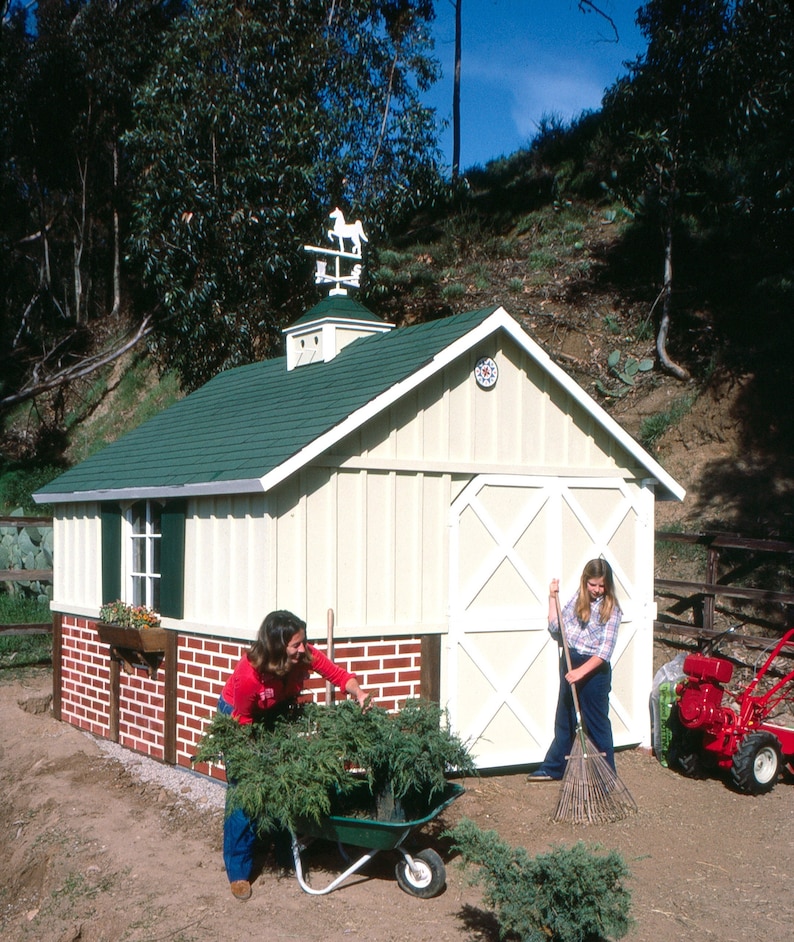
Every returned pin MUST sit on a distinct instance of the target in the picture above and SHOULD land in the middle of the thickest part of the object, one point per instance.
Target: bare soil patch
(94, 854)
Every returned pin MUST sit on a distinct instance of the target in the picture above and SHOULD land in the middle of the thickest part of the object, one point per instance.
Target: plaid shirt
(593, 637)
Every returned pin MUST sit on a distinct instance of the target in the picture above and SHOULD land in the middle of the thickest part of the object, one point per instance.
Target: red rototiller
(709, 735)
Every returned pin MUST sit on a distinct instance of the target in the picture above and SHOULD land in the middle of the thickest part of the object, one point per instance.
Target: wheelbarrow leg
(297, 847)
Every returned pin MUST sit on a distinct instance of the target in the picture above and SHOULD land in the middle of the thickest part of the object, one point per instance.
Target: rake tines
(591, 792)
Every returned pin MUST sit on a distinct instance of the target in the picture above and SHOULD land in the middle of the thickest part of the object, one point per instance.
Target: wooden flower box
(134, 647)
(133, 639)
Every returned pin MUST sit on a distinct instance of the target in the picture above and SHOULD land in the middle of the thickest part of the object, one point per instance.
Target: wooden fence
(701, 596)
(25, 575)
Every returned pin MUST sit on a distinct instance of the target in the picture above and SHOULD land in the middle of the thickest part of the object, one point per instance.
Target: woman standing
(591, 620)
(267, 679)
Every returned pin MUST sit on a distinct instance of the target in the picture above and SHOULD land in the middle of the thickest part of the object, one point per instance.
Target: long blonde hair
(596, 569)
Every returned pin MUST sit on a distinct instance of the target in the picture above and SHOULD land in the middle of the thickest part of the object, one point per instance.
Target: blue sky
(522, 59)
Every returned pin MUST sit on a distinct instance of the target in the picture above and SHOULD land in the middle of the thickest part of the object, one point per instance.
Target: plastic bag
(663, 698)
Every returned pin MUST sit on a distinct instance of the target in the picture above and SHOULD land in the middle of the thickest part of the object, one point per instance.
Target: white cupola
(329, 327)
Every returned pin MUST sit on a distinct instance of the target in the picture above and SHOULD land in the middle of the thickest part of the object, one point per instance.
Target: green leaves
(626, 374)
(565, 895)
(257, 121)
(292, 769)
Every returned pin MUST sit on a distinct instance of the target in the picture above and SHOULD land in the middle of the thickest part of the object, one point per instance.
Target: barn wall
(526, 423)
(389, 669)
(371, 545)
(77, 562)
(226, 553)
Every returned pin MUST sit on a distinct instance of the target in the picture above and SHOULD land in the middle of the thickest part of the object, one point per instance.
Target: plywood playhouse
(423, 483)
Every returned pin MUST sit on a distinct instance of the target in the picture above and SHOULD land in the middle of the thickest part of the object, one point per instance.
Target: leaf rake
(591, 792)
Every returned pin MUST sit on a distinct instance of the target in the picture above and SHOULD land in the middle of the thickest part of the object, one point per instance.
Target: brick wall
(389, 669)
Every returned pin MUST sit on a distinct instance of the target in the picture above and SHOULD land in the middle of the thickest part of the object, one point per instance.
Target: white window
(143, 549)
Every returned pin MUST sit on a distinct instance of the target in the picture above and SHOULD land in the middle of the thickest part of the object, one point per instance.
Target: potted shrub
(338, 760)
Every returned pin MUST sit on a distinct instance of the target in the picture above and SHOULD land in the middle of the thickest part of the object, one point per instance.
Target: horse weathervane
(342, 232)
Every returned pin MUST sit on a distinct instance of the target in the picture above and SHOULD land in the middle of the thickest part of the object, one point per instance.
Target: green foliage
(19, 482)
(18, 610)
(257, 121)
(453, 292)
(27, 547)
(653, 427)
(567, 895)
(67, 71)
(24, 650)
(128, 616)
(299, 768)
(626, 374)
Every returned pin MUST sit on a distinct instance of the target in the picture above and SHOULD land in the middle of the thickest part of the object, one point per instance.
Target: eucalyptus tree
(260, 119)
(761, 70)
(68, 71)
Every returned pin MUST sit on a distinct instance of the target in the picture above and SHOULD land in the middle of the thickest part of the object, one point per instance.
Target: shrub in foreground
(567, 895)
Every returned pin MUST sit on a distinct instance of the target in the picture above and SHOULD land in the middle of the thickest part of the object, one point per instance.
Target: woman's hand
(554, 594)
(354, 689)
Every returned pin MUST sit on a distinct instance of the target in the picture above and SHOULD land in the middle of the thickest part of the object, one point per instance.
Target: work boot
(241, 889)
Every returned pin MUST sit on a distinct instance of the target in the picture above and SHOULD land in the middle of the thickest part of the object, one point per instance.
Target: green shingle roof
(339, 306)
(248, 421)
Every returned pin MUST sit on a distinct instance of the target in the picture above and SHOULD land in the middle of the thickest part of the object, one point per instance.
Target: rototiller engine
(709, 734)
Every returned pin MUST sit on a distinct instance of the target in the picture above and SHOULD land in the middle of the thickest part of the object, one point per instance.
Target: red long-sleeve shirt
(250, 693)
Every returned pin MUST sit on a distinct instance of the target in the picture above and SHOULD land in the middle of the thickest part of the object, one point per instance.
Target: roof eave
(205, 489)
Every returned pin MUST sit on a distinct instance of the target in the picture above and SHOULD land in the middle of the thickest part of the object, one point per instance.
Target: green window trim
(172, 560)
(172, 556)
(110, 515)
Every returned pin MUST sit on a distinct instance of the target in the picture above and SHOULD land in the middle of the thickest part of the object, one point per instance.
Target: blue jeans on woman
(239, 836)
(593, 693)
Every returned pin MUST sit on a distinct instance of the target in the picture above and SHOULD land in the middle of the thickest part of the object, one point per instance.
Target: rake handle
(566, 649)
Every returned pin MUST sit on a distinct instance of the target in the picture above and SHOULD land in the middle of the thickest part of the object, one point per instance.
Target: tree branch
(586, 5)
(87, 365)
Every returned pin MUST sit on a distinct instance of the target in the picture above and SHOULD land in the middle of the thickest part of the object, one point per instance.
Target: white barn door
(509, 535)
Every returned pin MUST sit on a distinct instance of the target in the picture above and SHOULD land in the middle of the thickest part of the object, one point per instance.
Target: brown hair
(268, 653)
(596, 569)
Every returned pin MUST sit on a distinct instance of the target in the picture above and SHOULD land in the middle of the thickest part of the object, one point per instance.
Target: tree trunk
(116, 234)
(667, 300)
(456, 95)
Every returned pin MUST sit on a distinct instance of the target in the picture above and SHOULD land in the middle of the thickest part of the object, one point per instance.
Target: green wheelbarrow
(422, 874)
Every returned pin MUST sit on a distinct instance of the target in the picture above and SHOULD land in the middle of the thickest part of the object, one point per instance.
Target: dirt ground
(92, 854)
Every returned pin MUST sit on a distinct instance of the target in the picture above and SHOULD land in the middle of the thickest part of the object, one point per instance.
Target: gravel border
(184, 783)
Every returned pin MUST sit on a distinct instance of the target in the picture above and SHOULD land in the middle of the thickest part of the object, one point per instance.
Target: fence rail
(26, 575)
(701, 595)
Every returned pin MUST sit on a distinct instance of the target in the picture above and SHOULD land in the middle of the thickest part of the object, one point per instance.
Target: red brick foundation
(389, 669)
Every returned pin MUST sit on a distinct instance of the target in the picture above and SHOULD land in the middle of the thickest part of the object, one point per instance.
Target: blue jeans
(593, 694)
(239, 837)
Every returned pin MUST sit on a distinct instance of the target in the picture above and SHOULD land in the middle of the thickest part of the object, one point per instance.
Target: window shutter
(172, 560)
(110, 515)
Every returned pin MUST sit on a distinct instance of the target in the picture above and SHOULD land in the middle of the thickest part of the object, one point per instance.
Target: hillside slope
(565, 274)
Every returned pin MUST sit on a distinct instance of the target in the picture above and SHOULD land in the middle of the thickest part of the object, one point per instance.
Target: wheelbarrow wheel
(427, 879)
